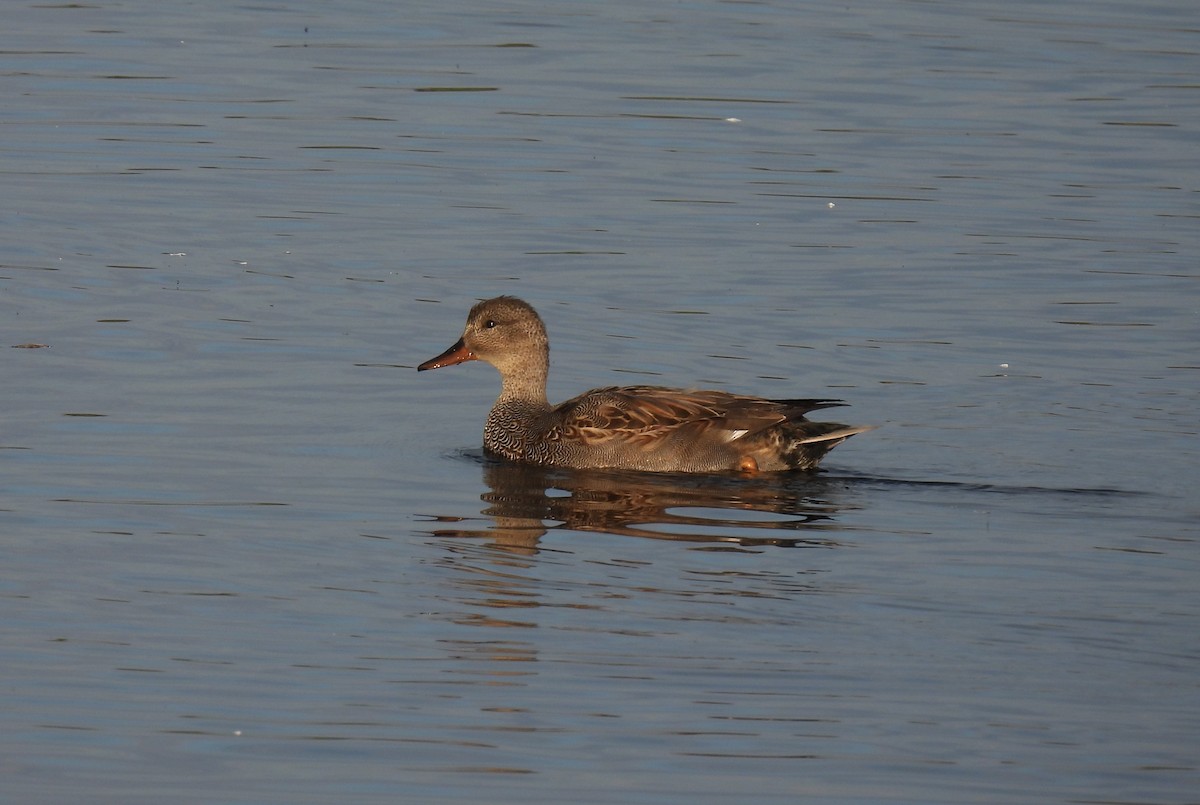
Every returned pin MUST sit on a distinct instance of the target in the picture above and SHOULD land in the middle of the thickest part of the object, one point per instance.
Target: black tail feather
(796, 408)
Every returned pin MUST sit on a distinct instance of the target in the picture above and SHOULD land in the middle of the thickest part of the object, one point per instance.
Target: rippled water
(252, 556)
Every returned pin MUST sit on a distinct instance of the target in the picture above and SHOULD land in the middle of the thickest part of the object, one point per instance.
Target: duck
(640, 428)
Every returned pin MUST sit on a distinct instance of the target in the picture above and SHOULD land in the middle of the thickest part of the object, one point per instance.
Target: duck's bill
(456, 354)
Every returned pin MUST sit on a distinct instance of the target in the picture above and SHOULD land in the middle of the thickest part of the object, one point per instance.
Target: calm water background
(250, 556)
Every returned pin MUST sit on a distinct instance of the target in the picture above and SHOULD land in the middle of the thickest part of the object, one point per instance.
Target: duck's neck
(525, 386)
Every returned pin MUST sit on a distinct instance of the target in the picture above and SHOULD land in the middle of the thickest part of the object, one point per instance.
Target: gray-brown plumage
(633, 427)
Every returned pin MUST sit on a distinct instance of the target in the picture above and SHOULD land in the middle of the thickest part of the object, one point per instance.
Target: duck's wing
(736, 405)
(647, 415)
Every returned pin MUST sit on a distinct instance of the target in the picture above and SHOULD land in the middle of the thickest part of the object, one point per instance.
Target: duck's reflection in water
(786, 509)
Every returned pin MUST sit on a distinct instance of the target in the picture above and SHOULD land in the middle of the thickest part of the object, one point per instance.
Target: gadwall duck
(648, 428)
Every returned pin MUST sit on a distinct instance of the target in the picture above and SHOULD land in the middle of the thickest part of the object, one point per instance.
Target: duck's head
(505, 332)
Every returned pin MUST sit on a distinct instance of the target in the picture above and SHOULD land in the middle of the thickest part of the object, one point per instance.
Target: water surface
(252, 556)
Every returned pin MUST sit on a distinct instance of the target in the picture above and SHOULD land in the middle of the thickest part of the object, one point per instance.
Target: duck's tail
(809, 441)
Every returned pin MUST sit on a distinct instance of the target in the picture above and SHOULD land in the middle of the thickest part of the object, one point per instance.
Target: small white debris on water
(733, 120)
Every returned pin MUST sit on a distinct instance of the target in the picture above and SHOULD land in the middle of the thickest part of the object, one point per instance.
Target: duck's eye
(489, 324)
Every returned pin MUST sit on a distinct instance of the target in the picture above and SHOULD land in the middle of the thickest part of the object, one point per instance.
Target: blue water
(251, 556)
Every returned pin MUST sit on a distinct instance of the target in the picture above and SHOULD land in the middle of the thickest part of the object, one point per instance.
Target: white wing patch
(734, 435)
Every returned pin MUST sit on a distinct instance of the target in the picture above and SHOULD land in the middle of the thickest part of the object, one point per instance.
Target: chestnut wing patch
(648, 415)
